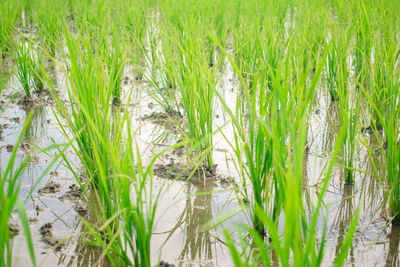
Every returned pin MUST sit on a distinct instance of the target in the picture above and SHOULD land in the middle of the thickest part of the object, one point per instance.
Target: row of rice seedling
(119, 185)
(387, 115)
(278, 54)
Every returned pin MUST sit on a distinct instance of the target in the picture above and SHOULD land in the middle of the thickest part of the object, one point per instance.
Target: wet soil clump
(184, 173)
(48, 237)
(171, 120)
(14, 229)
(50, 188)
(166, 264)
(73, 194)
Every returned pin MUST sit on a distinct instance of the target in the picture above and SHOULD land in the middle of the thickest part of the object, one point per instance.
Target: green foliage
(23, 65)
(9, 189)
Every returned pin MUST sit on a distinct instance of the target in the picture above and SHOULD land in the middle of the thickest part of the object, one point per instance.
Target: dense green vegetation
(281, 53)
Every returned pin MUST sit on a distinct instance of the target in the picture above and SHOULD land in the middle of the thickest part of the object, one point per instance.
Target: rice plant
(350, 119)
(3, 77)
(196, 83)
(193, 54)
(337, 70)
(115, 62)
(23, 60)
(91, 96)
(387, 113)
(296, 241)
(9, 15)
(36, 70)
(261, 148)
(49, 24)
(10, 182)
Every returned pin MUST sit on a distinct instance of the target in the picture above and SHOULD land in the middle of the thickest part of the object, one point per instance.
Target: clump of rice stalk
(337, 72)
(364, 36)
(23, 60)
(350, 118)
(90, 94)
(91, 121)
(37, 74)
(9, 13)
(115, 62)
(196, 83)
(349, 105)
(134, 18)
(48, 22)
(261, 134)
(161, 78)
(388, 115)
(377, 89)
(122, 187)
(295, 241)
(127, 234)
(247, 47)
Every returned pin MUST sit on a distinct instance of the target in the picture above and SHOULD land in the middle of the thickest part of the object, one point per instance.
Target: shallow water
(185, 208)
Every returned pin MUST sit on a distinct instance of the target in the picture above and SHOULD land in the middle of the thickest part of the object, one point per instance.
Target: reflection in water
(198, 243)
(197, 212)
(343, 219)
(393, 258)
(85, 254)
(51, 71)
(331, 127)
(35, 127)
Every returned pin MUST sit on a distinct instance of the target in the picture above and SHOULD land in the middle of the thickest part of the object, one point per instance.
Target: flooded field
(210, 133)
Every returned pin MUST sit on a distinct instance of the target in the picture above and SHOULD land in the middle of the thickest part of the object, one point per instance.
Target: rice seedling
(349, 105)
(337, 70)
(135, 21)
(261, 148)
(364, 36)
(350, 119)
(92, 96)
(388, 116)
(48, 23)
(115, 61)
(23, 60)
(10, 179)
(163, 88)
(276, 52)
(295, 243)
(36, 69)
(125, 206)
(8, 19)
(136, 202)
(196, 82)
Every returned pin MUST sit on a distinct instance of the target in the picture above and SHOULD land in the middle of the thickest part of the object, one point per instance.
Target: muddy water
(186, 208)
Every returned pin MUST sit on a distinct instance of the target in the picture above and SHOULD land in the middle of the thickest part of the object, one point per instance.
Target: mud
(48, 237)
(165, 264)
(73, 194)
(50, 188)
(172, 120)
(15, 229)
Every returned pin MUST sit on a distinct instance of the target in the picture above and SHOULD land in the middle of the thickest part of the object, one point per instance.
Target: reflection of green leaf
(348, 240)
(25, 225)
